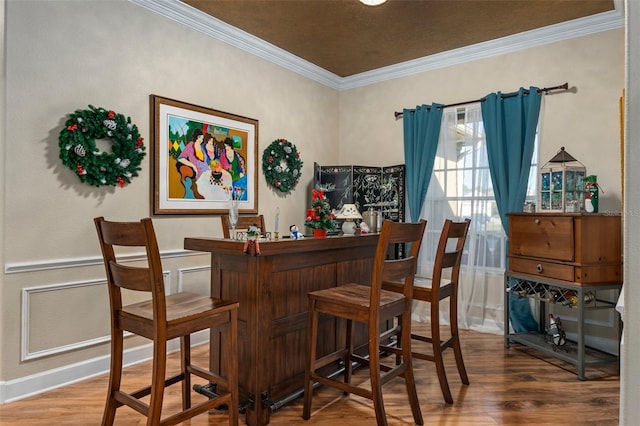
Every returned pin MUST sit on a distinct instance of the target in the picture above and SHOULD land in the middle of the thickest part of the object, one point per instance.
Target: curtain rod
(545, 90)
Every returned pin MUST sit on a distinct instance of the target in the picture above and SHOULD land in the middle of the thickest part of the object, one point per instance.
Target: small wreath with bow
(78, 150)
(282, 165)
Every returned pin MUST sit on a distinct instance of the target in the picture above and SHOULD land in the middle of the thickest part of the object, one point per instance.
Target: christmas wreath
(78, 150)
(281, 165)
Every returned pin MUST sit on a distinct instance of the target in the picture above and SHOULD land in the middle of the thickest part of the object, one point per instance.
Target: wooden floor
(514, 386)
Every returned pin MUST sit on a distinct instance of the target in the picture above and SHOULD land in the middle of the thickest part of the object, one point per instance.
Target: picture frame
(202, 159)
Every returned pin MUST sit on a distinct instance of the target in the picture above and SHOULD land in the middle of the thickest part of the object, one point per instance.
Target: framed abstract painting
(202, 159)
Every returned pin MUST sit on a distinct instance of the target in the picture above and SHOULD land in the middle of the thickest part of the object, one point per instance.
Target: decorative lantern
(562, 184)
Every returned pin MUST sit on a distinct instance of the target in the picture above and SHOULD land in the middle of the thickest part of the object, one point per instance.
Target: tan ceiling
(346, 38)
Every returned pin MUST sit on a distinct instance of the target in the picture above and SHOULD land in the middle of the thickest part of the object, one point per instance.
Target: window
(460, 187)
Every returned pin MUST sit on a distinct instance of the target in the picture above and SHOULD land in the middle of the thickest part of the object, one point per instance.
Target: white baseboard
(23, 387)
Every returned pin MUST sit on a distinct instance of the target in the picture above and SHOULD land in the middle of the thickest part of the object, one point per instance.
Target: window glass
(461, 187)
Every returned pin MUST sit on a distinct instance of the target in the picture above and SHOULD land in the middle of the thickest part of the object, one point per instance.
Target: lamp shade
(349, 212)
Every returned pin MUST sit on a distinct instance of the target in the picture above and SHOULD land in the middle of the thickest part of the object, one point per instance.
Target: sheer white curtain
(460, 187)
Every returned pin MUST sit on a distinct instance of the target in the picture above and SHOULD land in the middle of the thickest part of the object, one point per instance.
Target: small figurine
(252, 239)
(364, 228)
(295, 234)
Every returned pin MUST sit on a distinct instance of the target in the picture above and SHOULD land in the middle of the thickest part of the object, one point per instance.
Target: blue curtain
(510, 122)
(421, 133)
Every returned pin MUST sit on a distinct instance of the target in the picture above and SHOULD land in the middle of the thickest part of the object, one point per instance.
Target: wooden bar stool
(244, 222)
(448, 257)
(161, 319)
(369, 304)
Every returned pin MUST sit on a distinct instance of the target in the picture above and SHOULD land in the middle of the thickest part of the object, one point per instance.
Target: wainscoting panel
(195, 280)
(58, 318)
(62, 317)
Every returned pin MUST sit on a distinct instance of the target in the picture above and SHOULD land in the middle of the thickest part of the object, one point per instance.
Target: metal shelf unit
(582, 298)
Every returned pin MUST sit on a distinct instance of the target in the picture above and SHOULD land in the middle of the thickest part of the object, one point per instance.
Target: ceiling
(346, 37)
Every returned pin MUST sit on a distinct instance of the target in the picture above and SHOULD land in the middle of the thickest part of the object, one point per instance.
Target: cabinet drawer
(543, 269)
(549, 237)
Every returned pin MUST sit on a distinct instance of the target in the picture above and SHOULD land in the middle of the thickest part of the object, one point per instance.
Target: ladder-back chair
(434, 290)
(369, 304)
(244, 222)
(160, 319)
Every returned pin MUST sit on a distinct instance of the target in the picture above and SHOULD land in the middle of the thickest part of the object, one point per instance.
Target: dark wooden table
(272, 290)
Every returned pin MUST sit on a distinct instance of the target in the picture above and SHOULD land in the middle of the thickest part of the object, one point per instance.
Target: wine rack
(578, 297)
(557, 294)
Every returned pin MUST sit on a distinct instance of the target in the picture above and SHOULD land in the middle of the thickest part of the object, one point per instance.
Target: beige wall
(585, 123)
(630, 367)
(64, 55)
(2, 161)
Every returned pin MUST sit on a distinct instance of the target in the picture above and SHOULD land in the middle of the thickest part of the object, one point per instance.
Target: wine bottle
(589, 297)
(570, 298)
(557, 336)
(553, 296)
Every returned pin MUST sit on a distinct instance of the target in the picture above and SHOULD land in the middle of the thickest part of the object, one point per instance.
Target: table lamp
(349, 213)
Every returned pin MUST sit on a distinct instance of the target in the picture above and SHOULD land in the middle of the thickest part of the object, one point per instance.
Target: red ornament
(111, 115)
(121, 182)
(72, 127)
(270, 159)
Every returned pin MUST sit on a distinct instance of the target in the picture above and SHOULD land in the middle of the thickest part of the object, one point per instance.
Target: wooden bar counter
(272, 290)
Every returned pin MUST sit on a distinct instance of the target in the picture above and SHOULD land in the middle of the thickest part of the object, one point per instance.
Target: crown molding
(215, 28)
(571, 29)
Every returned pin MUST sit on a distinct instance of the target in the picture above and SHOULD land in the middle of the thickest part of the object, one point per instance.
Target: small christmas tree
(320, 216)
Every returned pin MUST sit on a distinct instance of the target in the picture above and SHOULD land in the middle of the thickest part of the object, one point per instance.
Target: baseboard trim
(24, 387)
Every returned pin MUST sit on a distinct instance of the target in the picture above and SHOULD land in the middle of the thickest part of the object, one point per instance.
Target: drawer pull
(539, 268)
(537, 221)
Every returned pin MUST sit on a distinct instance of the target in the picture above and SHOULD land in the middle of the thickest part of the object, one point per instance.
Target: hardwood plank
(515, 386)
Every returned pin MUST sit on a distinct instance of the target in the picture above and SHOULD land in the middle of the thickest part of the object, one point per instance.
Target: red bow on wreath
(317, 195)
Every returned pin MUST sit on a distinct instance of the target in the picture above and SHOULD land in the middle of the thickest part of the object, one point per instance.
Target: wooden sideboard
(570, 263)
(574, 247)
(272, 290)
